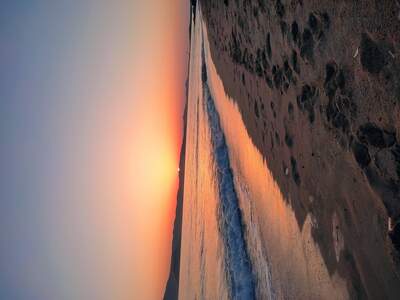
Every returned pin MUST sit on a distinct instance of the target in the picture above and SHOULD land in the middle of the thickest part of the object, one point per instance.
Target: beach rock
(361, 154)
(372, 135)
(372, 58)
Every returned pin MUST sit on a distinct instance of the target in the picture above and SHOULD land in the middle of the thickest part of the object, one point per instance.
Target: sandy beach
(317, 84)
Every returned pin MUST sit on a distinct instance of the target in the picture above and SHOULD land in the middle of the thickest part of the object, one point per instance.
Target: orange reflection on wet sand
(201, 266)
(280, 251)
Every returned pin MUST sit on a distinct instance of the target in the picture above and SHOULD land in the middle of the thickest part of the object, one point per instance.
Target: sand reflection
(202, 273)
(286, 260)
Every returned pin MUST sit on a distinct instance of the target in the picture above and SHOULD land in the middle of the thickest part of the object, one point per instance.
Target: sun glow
(153, 160)
(157, 168)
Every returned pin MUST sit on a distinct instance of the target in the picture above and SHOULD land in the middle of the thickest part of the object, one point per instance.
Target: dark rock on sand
(295, 31)
(313, 22)
(307, 45)
(269, 48)
(306, 101)
(372, 135)
(361, 154)
(280, 9)
(372, 58)
(295, 173)
(288, 140)
(295, 64)
(330, 82)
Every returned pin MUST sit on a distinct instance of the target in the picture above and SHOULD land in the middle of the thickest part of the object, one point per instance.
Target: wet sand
(202, 273)
(279, 248)
(317, 84)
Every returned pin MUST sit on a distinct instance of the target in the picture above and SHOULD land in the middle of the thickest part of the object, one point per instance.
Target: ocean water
(240, 239)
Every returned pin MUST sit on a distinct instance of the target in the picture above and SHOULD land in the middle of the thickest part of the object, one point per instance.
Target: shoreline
(324, 120)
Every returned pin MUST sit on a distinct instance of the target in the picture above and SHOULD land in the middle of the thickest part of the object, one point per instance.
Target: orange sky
(91, 112)
(157, 144)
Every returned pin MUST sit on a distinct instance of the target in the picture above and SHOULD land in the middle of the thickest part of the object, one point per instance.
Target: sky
(91, 101)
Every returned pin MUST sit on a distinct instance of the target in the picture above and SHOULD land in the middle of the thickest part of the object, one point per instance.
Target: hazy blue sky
(90, 103)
